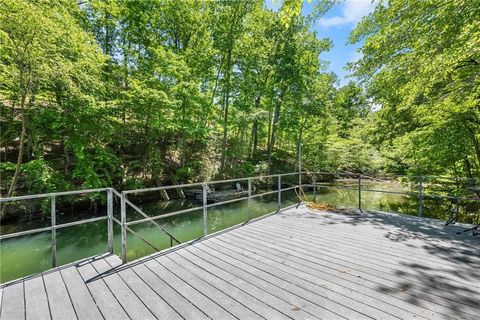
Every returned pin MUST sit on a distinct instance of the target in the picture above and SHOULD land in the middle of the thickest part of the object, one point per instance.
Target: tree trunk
(475, 143)
(182, 137)
(468, 167)
(299, 140)
(254, 138)
(13, 184)
(225, 114)
(276, 119)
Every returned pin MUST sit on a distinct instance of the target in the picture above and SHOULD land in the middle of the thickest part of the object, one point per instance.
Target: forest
(130, 94)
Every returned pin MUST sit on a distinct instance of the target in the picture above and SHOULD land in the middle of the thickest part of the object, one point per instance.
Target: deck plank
(134, 307)
(183, 306)
(104, 299)
(262, 302)
(318, 282)
(13, 302)
(58, 298)
(399, 237)
(296, 264)
(304, 260)
(209, 307)
(1, 299)
(400, 240)
(365, 261)
(152, 300)
(237, 309)
(291, 300)
(82, 300)
(36, 301)
(313, 296)
(347, 277)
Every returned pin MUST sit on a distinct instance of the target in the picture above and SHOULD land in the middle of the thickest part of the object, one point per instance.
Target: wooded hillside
(134, 93)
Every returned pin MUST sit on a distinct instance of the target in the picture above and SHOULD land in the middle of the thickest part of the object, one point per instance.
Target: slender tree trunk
(253, 150)
(468, 167)
(13, 183)
(225, 114)
(276, 119)
(299, 140)
(11, 189)
(475, 143)
(269, 130)
(182, 138)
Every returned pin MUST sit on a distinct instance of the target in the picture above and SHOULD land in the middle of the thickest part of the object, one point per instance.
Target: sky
(337, 25)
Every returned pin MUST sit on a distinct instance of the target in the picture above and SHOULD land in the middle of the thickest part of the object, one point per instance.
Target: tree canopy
(421, 63)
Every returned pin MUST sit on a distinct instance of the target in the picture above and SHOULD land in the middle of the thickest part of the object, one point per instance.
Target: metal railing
(53, 217)
(420, 194)
(125, 203)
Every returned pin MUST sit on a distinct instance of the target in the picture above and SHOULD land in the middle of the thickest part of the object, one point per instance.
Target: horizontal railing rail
(204, 207)
(125, 203)
(53, 217)
(420, 194)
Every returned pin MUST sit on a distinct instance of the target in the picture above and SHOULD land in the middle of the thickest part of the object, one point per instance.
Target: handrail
(205, 206)
(124, 202)
(426, 177)
(198, 184)
(52, 194)
(58, 226)
(53, 217)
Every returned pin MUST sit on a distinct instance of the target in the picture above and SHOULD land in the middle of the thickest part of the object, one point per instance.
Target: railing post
(249, 198)
(360, 193)
(420, 196)
(54, 231)
(205, 212)
(110, 219)
(314, 187)
(279, 192)
(123, 218)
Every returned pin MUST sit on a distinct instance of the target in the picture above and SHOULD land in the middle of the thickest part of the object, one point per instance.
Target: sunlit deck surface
(295, 264)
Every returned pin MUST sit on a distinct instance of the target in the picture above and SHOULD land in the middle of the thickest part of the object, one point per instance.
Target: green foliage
(130, 93)
(421, 62)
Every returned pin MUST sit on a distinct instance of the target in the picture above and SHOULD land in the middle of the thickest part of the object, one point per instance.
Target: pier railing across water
(125, 203)
(53, 217)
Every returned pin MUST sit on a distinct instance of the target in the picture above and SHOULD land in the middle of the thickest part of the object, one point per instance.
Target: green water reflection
(30, 254)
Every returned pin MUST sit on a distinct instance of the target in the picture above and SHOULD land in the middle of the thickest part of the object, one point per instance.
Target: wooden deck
(292, 265)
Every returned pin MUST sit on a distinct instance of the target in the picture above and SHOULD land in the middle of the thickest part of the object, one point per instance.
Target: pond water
(30, 254)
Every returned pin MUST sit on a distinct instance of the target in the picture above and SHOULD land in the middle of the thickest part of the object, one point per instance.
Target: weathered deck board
(152, 300)
(228, 303)
(81, 297)
(293, 265)
(61, 306)
(183, 306)
(101, 294)
(287, 298)
(263, 302)
(367, 280)
(338, 279)
(366, 262)
(135, 308)
(321, 295)
(36, 300)
(195, 296)
(232, 291)
(13, 302)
